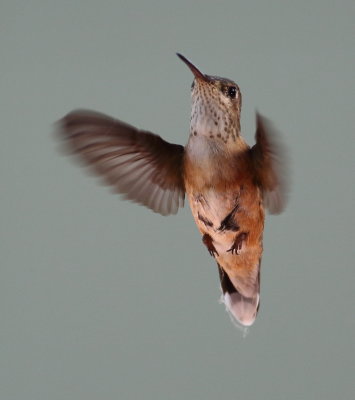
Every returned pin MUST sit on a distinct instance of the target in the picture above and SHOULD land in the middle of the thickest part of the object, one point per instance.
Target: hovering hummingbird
(228, 184)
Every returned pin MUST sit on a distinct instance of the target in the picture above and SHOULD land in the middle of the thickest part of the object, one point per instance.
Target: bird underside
(231, 224)
(227, 182)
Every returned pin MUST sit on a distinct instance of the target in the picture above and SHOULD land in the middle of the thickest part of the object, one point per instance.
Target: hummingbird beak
(197, 73)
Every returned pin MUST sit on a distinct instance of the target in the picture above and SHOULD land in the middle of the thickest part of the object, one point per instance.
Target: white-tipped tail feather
(242, 309)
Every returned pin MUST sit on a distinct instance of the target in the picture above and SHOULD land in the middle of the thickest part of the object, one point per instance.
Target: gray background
(103, 299)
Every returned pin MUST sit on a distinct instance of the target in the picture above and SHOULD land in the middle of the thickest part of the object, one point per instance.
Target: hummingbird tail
(243, 309)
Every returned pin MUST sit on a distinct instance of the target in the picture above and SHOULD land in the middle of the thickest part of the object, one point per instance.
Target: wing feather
(138, 164)
(270, 163)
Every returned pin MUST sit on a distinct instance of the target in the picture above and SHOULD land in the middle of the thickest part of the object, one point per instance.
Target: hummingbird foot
(238, 242)
(208, 242)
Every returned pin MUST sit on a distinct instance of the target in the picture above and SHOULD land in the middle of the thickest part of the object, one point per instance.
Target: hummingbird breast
(227, 206)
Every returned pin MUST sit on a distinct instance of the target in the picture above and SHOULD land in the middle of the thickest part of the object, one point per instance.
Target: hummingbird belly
(232, 223)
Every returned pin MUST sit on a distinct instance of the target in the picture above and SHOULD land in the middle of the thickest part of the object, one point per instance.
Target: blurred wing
(269, 160)
(140, 165)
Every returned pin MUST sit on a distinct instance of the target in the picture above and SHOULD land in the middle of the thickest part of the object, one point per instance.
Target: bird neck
(214, 121)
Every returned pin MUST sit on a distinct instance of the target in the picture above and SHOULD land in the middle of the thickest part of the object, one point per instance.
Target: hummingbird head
(216, 106)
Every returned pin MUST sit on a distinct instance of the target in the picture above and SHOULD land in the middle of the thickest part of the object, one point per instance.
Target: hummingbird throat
(211, 118)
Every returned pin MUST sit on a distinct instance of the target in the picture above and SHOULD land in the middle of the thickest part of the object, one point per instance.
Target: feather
(140, 165)
(269, 160)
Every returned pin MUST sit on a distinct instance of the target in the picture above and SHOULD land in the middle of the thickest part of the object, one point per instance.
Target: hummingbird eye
(232, 92)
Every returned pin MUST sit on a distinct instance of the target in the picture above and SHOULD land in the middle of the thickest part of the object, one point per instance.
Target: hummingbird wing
(269, 160)
(140, 165)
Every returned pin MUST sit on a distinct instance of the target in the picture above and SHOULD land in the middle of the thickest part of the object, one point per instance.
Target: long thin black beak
(197, 73)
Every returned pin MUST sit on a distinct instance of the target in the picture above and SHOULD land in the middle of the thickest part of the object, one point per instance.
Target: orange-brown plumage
(228, 184)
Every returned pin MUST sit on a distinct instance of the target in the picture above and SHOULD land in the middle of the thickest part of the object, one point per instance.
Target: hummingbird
(228, 183)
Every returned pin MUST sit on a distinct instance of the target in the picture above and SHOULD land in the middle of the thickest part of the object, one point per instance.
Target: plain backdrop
(103, 299)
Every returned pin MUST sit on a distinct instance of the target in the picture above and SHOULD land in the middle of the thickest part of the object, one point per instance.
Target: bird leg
(230, 223)
(238, 242)
(208, 242)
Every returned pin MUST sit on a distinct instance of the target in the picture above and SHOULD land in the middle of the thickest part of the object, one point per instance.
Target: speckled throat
(212, 115)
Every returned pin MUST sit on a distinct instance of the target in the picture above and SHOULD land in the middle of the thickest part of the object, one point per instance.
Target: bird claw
(238, 243)
(208, 242)
(213, 251)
